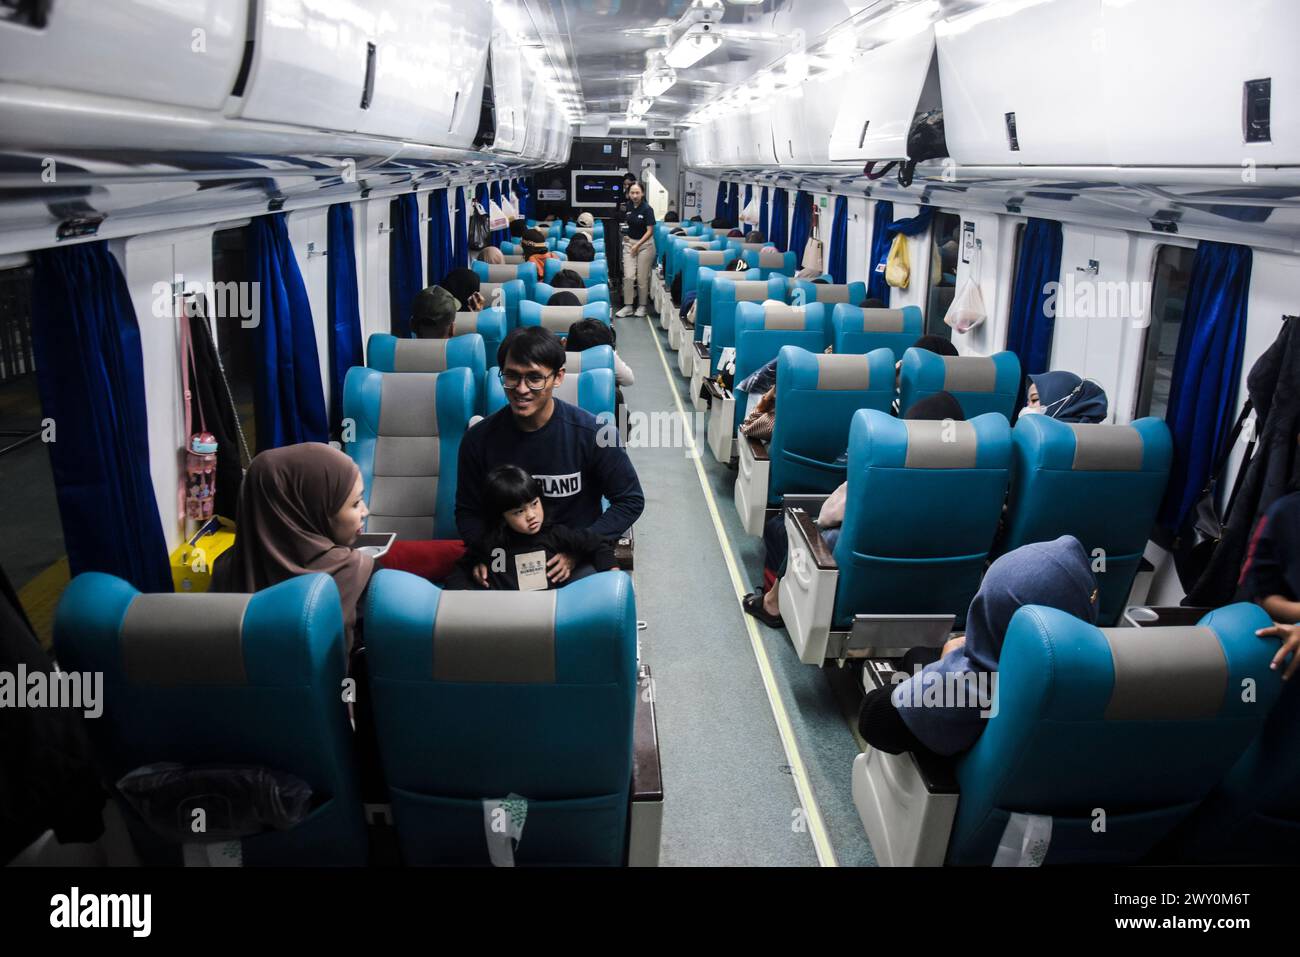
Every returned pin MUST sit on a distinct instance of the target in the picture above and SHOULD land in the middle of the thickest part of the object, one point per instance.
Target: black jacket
(498, 552)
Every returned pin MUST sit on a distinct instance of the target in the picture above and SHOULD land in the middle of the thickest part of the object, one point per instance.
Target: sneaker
(640, 311)
(624, 312)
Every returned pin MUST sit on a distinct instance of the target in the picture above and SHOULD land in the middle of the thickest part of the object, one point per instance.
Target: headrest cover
(582, 269)
(571, 313)
(420, 355)
(466, 322)
(1106, 448)
(170, 640)
(1143, 690)
(842, 373)
(408, 404)
(940, 445)
(501, 273)
(501, 638)
(572, 363)
(882, 320)
(712, 257)
(969, 374)
(770, 258)
(831, 293)
(750, 290)
(777, 315)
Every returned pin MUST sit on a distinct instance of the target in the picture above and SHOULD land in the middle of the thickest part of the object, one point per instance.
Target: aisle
(736, 793)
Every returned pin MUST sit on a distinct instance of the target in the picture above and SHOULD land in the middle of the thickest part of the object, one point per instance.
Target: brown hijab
(286, 504)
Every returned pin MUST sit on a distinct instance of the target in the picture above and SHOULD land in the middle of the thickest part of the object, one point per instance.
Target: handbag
(898, 271)
(812, 255)
(480, 232)
(1204, 527)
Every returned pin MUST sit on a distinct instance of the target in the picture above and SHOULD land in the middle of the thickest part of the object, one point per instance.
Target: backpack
(925, 141)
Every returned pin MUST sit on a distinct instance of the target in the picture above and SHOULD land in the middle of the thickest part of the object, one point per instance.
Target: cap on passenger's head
(586, 220)
(432, 313)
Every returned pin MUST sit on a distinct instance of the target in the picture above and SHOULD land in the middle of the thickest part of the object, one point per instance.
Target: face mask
(1031, 411)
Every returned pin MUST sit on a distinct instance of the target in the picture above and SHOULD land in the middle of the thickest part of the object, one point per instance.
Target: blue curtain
(780, 219)
(440, 251)
(1207, 369)
(762, 215)
(404, 266)
(90, 376)
(733, 204)
(498, 235)
(838, 266)
(720, 204)
(460, 233)
(1029, 333)
(288, 395)
(525, 199)
(344, 309)
(749, 195)
(801, 225)
(877, 288)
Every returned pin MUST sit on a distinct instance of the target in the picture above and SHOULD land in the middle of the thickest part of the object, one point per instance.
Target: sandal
(753, 605)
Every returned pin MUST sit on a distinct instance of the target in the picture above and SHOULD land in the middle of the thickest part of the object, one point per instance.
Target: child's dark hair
(586, 333)
(507, 487)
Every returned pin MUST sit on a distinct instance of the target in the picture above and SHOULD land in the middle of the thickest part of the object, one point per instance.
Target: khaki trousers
(636, 271)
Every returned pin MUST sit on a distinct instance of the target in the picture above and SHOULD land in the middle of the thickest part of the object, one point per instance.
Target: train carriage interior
(921, 380)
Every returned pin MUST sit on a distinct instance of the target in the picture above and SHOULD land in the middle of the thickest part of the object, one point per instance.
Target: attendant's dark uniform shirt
(575, 463)
(1272, 565)
(639, 219)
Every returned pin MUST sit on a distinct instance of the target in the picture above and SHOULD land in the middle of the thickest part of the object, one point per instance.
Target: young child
(515, 552)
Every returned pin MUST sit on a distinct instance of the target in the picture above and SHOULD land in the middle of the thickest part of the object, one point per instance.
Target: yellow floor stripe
(816, 826)
(40, 597)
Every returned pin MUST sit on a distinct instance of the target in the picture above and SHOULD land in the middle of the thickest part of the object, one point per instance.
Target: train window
(31, 550)
(236, 342)
(945, 243)
(1173, 272)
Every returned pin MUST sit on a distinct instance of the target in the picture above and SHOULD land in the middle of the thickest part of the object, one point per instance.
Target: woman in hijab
(1064, 396)
(492, 256)
(1056, 574)
(300, 510)
(464, 285)
(766, 606)
(536, 251)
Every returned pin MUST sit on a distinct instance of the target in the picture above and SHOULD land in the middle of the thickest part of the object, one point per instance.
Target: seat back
(830, 293)
(483, 696)
(770, 261)
(924, 500)
(596, 357)
(592, 273)
(676, 250)
(223, 680)
(816, 397)
(693, 259)
(857, 330)
(762, 329)
(543, 292)
(506, 296)
(525, 272)
(979, 383)
(1137, 723)
(1100, 483)
(728, 295)
(408, 431)
(490, 323)
(558, 318)
(466, 351)
(591, 389)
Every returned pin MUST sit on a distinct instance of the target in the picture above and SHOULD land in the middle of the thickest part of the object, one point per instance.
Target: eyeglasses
(535, 381)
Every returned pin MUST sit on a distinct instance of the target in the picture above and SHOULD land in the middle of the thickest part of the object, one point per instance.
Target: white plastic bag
(496, 216)
(966, 311)
(751, 214)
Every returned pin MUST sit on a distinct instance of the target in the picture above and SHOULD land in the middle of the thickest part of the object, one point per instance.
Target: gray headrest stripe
(1146, 689)
(777, 315)
(403, 496)
(829, 293)
(501, 273)
(407, 455)
(842, 372)
(582, 269)
(572, 313)
(170, 640)
(770, 258)
(567, 391)
(409, 404)
(420, 355)
(486, 636)
(750, 290)
(512, 259)
(580, 293)
(572, 363)
(1106, 448)
(940, 445)
(466, 322)
(882, 320)
(711, 257)
(969, 374)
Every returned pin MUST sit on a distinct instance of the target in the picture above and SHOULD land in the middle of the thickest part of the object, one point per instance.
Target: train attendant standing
(638, 250)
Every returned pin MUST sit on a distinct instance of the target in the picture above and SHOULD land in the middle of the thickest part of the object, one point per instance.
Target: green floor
(731, 796)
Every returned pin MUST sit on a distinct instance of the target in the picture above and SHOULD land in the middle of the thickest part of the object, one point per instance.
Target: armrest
(807, 529)
(757, 449)
(625, 550)
(647, 774)
(812, 504)
(701, 350)
(716, 391)
(938, 773)
(1164, 616)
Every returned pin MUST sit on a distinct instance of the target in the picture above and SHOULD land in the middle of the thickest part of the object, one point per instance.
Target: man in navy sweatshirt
(553, 441)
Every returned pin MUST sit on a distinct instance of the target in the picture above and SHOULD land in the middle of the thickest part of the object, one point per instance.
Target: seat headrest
(940, 445)
(969, 373)
(770, 258)
(711, 257)
(829, 293)
(571, 314)
(521, 629)
(582, 269)
(844, 373)
(596, 357)
(1106, 448)
(750, 290)
(500, 273)
(882, 441)
(409, 404)
(882, 320)
(420, 355)
(1142, 690)
(213, 630)
(513, 259)
(777, 315)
